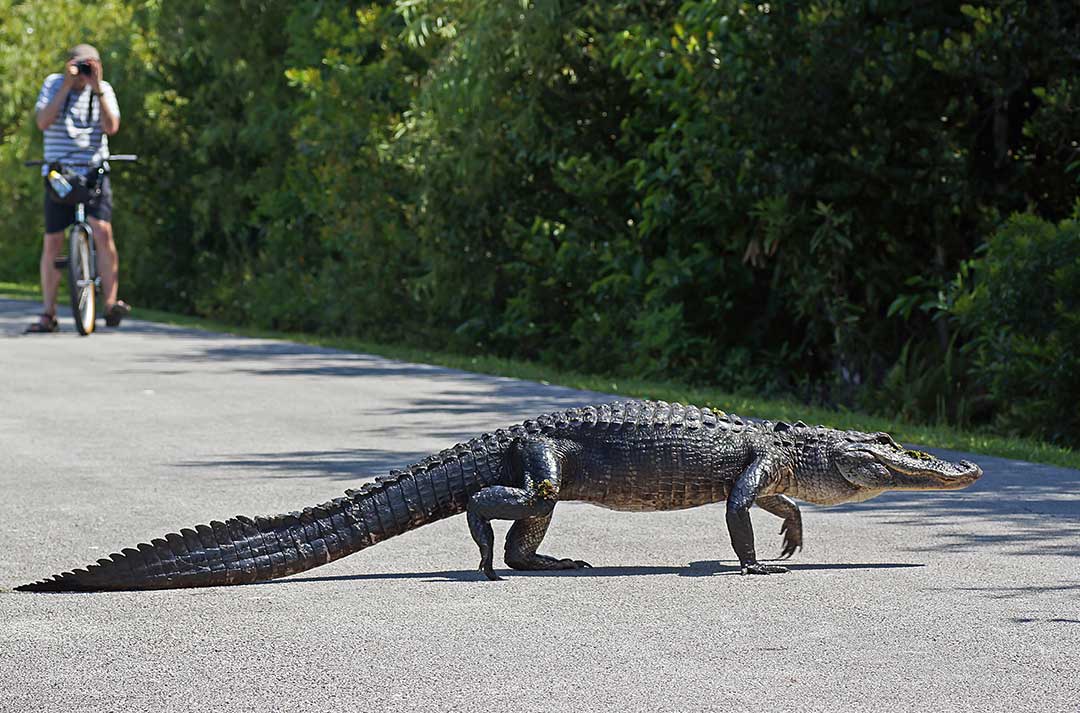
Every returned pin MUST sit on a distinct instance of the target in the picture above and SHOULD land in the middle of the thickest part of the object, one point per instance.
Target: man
(78, 113)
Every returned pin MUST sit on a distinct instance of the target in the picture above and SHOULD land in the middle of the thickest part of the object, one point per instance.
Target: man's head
(83, 56)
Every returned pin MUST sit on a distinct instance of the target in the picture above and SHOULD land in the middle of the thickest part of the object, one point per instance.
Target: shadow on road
(694, 569)
(1034, 620)
(1014, 592)
(290, 359)
(346, 464)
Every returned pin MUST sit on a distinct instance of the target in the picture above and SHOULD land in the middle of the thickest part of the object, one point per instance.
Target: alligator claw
(792, 533)
(759, 568)
(574, 564)
(489, 572)
(789, 549)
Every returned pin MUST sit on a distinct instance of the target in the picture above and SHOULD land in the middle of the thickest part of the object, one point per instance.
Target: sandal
(46, 323)
(116, 313)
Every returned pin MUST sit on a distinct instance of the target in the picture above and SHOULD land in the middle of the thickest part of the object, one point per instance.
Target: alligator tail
(243, 550)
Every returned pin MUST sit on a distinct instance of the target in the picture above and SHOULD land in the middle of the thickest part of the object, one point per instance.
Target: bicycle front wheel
(81, 271)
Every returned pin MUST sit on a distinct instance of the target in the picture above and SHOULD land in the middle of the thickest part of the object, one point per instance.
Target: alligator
(634, 456)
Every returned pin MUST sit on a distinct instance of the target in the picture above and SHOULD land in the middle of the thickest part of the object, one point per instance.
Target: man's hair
(83, 52)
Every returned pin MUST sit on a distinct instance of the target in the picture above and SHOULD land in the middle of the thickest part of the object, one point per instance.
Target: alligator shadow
(694, 569)
(707, 568)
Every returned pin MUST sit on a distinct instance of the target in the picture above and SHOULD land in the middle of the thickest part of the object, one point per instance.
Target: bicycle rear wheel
(81, 270)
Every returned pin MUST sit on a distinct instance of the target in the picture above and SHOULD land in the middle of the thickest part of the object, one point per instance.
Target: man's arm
(47, 114)
(110, 113)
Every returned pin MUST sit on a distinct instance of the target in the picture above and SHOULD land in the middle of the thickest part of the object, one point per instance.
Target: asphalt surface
(963, 601)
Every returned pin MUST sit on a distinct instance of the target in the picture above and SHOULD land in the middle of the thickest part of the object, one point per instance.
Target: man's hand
(71, 73)
(95, 75)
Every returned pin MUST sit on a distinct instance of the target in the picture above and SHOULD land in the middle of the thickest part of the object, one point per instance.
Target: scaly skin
(638, 455)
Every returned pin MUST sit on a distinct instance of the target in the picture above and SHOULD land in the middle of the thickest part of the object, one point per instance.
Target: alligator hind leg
(537, 464)
(499, 502)
(523, 540)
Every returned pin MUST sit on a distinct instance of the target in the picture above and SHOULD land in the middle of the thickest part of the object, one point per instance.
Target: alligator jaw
(922, 473)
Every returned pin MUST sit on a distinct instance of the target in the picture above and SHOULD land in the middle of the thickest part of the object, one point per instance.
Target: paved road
(954, 601)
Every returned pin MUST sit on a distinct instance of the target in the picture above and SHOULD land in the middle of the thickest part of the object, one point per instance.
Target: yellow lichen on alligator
(633, 455)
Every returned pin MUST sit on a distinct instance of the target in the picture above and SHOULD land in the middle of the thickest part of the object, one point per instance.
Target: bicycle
(81, 260)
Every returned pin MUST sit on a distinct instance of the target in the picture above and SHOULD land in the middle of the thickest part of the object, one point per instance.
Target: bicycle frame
(81, 222)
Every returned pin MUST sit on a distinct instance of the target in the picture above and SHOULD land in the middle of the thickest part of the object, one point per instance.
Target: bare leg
(108, 260)
(50, 276)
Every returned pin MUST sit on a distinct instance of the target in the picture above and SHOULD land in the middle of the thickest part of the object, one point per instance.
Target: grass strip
(19, 291)
(940, 436)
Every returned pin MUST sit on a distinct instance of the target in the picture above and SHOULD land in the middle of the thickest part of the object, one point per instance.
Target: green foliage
(927, 384)
(1023, 313)
(768, 197)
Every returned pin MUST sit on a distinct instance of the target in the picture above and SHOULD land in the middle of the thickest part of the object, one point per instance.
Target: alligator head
(877, 463)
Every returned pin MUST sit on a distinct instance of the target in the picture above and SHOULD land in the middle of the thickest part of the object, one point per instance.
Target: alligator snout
(970, 472)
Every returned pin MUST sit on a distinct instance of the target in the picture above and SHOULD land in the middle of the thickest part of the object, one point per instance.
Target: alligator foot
(485, 538)
(784, 507)
(759, 568)
(489, 571)
(538, 562)
(792, 532)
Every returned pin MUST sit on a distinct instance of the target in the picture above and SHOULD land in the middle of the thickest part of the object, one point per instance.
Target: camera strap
(89, 106)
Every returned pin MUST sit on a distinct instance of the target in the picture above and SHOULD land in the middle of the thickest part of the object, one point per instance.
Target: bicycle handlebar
(117, 157)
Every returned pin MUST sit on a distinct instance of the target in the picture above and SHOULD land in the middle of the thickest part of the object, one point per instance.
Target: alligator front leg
(538, 465)
(742, 496)
(784, 507)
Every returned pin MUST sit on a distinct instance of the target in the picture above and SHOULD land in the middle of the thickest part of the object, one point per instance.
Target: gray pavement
(966, 601)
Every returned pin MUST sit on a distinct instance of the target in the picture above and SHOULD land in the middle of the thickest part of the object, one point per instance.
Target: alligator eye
(884, 439)
(918, 455)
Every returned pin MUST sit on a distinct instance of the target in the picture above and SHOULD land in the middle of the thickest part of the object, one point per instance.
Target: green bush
(1023, 315)
(762, 196)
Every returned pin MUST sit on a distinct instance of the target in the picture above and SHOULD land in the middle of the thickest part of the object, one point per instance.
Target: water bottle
(59, 183)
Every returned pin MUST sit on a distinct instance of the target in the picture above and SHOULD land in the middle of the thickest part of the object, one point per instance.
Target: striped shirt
(76, 134)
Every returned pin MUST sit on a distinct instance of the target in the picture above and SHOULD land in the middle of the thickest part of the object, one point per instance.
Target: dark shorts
(58, 217)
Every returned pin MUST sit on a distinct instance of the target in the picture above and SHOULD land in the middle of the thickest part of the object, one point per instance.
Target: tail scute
(236, 551)
(243, 550)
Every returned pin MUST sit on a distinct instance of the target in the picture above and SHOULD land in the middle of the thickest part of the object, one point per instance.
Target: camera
(84, 68)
